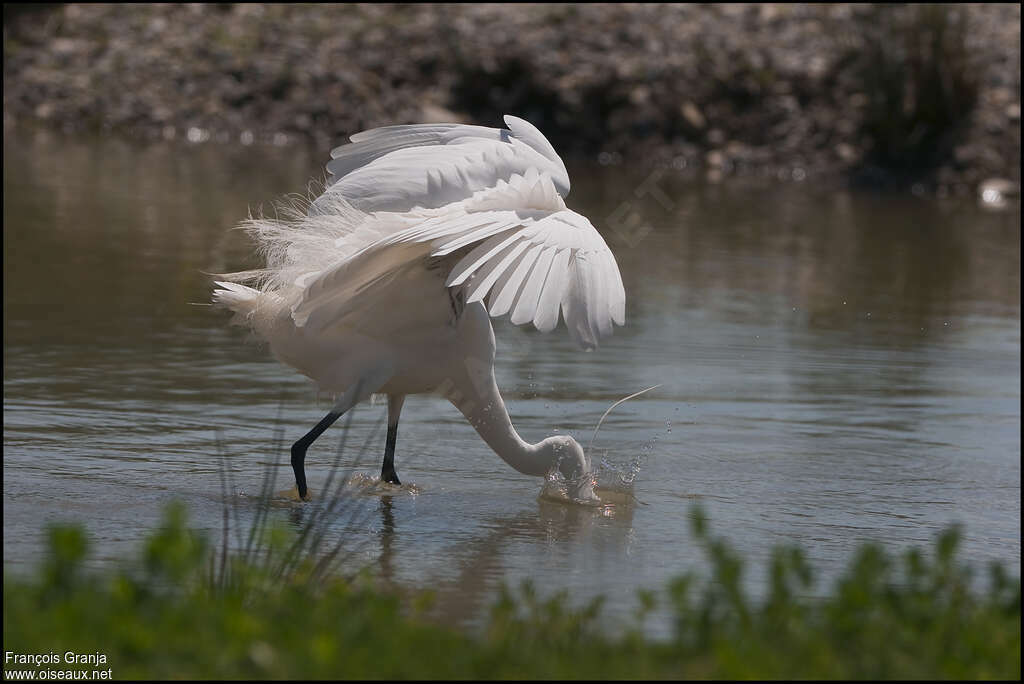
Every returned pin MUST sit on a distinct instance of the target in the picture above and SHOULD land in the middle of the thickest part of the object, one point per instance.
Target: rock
(640, 95)
(64, 46)
(846, 152)
(995, 193)
(692, 115)
(858, 100)
(715, 158)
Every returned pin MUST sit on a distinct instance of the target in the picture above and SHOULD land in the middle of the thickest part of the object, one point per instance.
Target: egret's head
(569, 458)
(568, 455)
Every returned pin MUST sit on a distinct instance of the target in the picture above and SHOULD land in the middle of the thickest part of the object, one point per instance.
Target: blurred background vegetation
(922, 96)
(186, 610)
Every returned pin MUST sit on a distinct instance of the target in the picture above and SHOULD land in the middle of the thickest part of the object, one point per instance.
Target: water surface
(835, 367)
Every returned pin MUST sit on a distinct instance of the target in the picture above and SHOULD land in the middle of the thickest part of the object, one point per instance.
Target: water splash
(578, 491)
(609, 485)
(356, 483)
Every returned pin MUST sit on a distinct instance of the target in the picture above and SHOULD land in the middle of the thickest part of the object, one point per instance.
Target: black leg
(299, 451)
(387, 471)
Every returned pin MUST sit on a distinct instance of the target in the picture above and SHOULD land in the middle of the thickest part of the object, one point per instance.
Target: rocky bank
(926, 97)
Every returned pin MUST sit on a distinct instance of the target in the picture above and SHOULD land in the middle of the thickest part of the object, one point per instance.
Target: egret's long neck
(476, 396)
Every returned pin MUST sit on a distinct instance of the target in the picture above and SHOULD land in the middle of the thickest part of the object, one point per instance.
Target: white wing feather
(398, 168)
(526, 303)
(486, 204)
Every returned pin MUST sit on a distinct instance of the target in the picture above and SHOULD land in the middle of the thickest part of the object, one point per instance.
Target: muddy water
(835, 367)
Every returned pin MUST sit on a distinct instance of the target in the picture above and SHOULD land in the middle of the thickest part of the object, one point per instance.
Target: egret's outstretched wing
(514, 243)
(399, 168)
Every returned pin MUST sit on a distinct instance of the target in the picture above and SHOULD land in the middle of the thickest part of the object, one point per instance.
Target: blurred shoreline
(925, 97)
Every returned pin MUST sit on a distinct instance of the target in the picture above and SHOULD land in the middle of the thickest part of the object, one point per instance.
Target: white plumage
(386, 283)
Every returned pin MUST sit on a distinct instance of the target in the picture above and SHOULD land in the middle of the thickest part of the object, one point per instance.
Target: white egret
(380, 286)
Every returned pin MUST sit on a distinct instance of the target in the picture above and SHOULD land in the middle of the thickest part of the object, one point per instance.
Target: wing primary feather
(602, 307)
(526, 302)
(480, 254)
(510, 290)
(487, 274)
(618, 292)
(546, 317)
(446, 246)
(574, 306)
